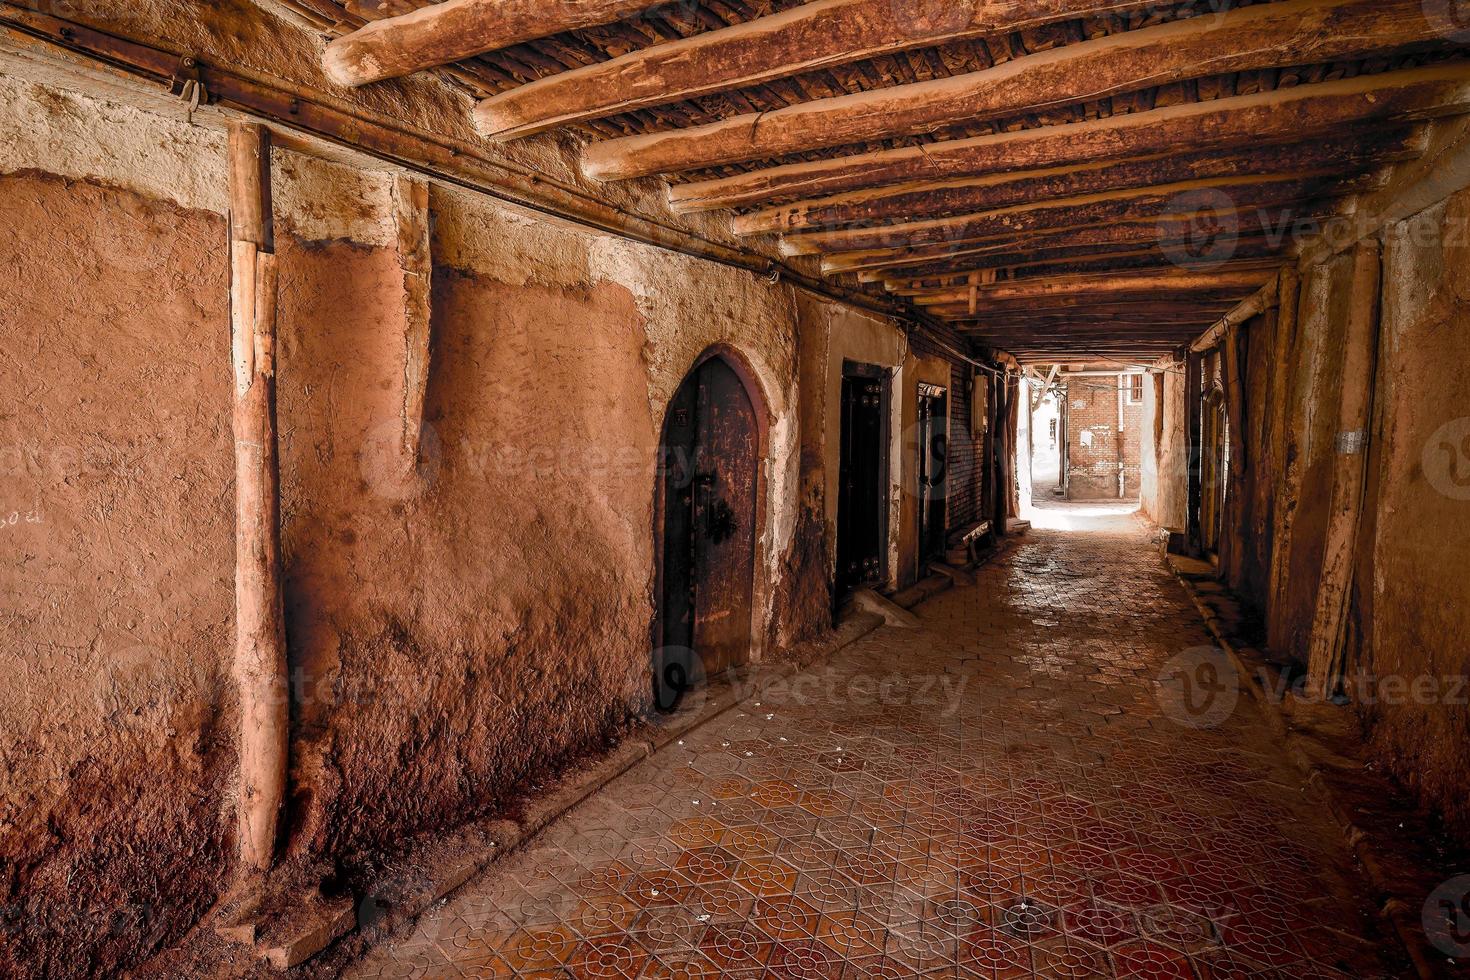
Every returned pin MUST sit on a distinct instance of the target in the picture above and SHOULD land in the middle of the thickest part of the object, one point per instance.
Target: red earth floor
(1028, 785)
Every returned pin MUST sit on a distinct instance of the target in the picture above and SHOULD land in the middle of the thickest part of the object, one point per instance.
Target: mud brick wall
(1092, 459)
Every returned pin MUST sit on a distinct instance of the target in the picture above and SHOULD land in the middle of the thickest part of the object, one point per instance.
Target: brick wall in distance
(1092, 440)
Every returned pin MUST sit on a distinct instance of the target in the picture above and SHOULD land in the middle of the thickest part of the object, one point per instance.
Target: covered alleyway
(408, 404)
(1007, 789)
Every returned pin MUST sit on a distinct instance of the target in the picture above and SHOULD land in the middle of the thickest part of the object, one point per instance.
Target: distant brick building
(1103, 418)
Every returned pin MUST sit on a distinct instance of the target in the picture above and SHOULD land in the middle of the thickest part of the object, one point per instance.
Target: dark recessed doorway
(933, 470)
(862, 497)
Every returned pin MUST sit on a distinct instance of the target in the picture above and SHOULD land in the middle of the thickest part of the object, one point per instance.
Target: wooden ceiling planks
(975, 166)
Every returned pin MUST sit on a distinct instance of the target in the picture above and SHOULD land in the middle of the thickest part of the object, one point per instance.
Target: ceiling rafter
(1287, 32)
(1048, 177)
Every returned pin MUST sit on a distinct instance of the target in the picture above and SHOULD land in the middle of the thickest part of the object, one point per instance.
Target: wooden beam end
(344, 65)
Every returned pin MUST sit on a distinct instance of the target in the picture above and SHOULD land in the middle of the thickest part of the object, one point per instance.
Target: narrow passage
(1009, 791)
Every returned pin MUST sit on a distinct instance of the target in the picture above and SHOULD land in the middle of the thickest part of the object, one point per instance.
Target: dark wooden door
(933, 469)
(862, 482)
(709, 497)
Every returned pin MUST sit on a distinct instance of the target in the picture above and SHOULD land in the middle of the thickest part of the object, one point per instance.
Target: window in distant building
(1135, 388)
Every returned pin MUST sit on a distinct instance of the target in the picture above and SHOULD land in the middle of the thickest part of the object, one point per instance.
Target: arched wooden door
(707, 522)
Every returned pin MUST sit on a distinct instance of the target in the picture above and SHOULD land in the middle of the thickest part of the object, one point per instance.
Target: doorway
(1047, 442)
(933, 470)
(862, 498)
(707, 528)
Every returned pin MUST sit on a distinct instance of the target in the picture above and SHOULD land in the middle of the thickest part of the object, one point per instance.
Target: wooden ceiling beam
(912, 202)
(1175, 334)
(1219, 198)
(1082, 301)
(1295, 113)
(807, 38)
(1031, 263)
(1268, 35)
(1162, 271)
(1078, 347)
(1140, 300)
(1178, 235)
(1072, 307)
(1183, 333)
(1144, 315)
(443, 33)
(1082, 352)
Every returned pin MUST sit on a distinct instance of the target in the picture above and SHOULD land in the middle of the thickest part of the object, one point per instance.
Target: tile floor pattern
(1003, 793)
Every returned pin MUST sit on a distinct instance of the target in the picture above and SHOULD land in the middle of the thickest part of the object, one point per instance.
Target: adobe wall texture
(428, 612)
(1315, 382)
(1250, 500)
(1092, 440)
(428, 617)
(1409, 604)
(1163, 452)
(116, 729)
(1417, 607)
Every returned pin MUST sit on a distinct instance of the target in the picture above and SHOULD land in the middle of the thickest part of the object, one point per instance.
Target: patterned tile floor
(1009, 791)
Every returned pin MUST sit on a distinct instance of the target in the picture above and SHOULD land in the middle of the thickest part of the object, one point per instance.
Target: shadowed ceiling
(1058, 179)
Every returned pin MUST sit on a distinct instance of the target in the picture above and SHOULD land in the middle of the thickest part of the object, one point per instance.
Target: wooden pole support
(260, 636)
(1282, 462)
(411, 210)
(1349, 472)
(1193, 393)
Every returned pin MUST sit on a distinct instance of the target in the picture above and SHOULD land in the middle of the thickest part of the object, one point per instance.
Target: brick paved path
(1007, 792)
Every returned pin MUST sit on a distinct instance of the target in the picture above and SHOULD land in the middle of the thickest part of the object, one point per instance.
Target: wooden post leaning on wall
(1283, 467)
(1000, 501)
(1360, 359)
(987, 452)
(1194, 452)
(411, 214)
(260, 636)
(1232, 530)
(1013, 441)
